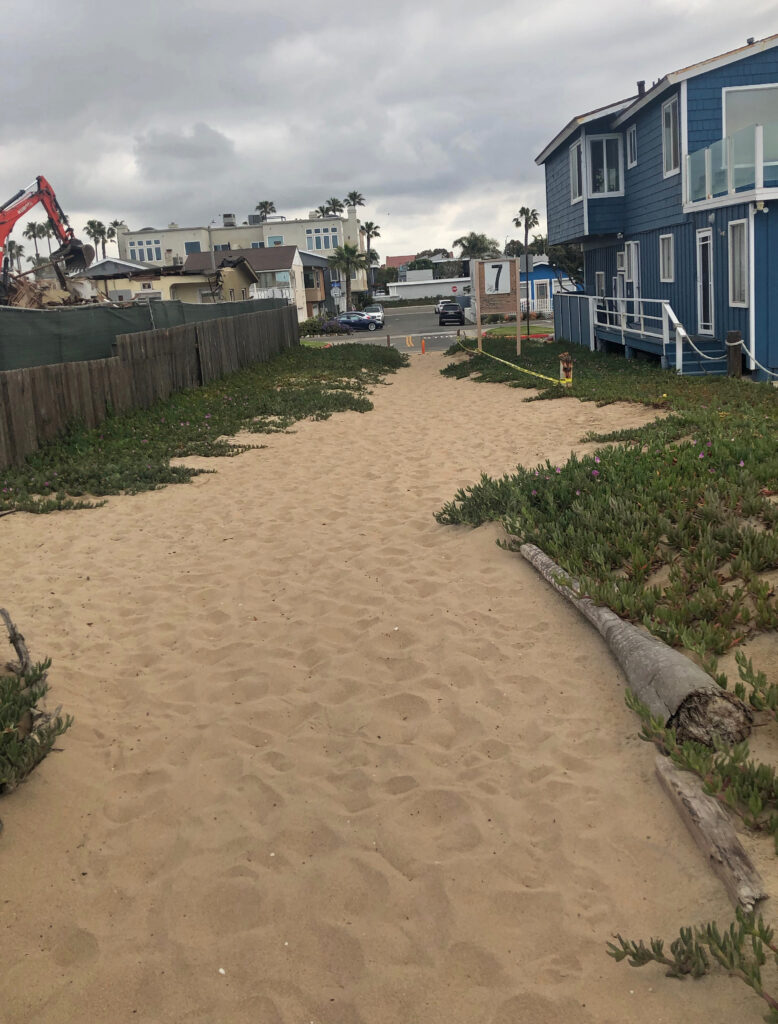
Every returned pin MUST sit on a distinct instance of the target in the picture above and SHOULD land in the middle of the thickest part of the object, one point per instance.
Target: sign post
(497, 290)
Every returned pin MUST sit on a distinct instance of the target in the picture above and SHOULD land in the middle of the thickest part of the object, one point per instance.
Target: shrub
(26, 733)
(318, 325)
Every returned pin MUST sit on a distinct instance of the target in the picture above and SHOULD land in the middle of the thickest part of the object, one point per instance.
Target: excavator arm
(75, 254)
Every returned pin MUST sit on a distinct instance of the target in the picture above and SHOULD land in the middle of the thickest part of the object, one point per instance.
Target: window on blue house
(599, 284)
(632, 145)
(738, 263)
(666, 258)
(576, 172)
(671, 140)
(605, 165)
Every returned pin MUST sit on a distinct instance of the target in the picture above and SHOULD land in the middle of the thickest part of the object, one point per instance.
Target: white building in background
(170, 246)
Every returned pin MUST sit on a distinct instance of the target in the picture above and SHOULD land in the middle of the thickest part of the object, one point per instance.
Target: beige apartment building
(170, 246)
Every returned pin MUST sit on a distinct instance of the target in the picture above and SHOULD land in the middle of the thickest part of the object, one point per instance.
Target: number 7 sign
(497, 278)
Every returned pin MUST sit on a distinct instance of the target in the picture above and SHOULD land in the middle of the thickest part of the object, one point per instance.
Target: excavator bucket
(76, 255)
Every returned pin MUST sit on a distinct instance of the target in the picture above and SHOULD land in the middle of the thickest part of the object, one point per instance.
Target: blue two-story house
(673, 195)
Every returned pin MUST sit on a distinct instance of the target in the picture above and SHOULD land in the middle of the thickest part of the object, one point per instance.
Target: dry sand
(371, 767)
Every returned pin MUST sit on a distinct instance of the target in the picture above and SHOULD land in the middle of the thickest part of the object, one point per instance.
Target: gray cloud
(157, 112)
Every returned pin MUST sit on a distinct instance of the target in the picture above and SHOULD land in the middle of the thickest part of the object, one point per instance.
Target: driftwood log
(668, 683)
(714, 833)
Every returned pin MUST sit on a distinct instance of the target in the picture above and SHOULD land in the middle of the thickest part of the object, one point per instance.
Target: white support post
(678, 349)
(758, 156)
(665, 329)
(592, 311)
(730, 165)
(708, 193)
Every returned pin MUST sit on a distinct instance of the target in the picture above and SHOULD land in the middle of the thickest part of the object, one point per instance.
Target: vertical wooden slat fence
(36, 404)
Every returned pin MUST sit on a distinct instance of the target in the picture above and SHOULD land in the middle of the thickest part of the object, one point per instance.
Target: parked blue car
(358, 321)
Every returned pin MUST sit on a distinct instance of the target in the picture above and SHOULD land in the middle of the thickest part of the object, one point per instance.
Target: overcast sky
(156, 111)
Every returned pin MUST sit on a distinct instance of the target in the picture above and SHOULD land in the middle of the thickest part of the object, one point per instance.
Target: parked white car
(376, 312)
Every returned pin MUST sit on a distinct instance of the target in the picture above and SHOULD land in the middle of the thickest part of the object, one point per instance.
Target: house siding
(704, 97)
(650, 198)
(565, 219)
(766, 271)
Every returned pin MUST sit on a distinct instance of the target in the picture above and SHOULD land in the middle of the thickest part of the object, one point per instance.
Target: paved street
(421, 322)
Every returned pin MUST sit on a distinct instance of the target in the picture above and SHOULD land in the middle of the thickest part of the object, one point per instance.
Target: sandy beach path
(370, 767)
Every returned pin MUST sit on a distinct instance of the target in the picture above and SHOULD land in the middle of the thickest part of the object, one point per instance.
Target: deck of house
(637, 325)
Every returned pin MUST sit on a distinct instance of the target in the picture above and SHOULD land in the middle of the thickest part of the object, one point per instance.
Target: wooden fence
(37, 403)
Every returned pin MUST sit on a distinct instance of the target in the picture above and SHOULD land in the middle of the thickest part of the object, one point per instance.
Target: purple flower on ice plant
(595, 472)
(741, 463)
(701, 455)
(534, 492)
(596, 458)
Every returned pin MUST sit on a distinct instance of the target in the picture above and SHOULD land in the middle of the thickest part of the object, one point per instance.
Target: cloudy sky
(156, 111)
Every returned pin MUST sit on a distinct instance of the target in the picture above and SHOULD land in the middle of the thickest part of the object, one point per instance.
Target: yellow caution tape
(481, 352)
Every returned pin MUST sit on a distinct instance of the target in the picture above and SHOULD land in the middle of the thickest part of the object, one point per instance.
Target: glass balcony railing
(741, 162)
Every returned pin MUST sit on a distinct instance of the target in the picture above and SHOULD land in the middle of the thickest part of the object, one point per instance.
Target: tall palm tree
(48, 234)
(265, 208)
(528, 219)
(348, 259)
(32, 231)
(335, 205)
(476, 246)
(354, 198)
(371, 231)
(323, 210)
(15, 251)
(95, 229)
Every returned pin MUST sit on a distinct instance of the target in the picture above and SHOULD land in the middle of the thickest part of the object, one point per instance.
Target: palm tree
(32, 231)
(15, 251)
(528, 219)
(477, 246)
(323, 210)
(348, 259)
(371, 231)
(48, 234)
(95, 229)
(335, 205)
(112, 234)
(354, 198)
(265, 208)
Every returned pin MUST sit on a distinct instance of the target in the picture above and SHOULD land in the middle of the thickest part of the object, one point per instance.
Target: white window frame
(668, 104)
(621, 261)
(667, 268)
(632, 145)
(632, 262)
(746, 269)
(602, 139)
(578, 145)
(599, 284)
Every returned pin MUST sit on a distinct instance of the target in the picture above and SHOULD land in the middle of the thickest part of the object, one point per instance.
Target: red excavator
(74, 254)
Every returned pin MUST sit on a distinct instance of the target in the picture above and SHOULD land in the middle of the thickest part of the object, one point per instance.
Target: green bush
(27, 734)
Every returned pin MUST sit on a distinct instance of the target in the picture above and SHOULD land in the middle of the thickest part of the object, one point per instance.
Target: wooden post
(734, 359)
(518, 304)
(388, 341)
(477, 280)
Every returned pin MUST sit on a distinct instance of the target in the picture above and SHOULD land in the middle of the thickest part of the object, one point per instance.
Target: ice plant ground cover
(673, 525)
(132, 452)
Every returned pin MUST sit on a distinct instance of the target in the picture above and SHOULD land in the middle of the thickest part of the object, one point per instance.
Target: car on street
(358, 321)
(451, 313)
(440, 304)
(376, 312)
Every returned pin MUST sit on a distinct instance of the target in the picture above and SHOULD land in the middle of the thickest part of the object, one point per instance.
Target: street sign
(335, 289)
(453, 287)
(497, 278)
